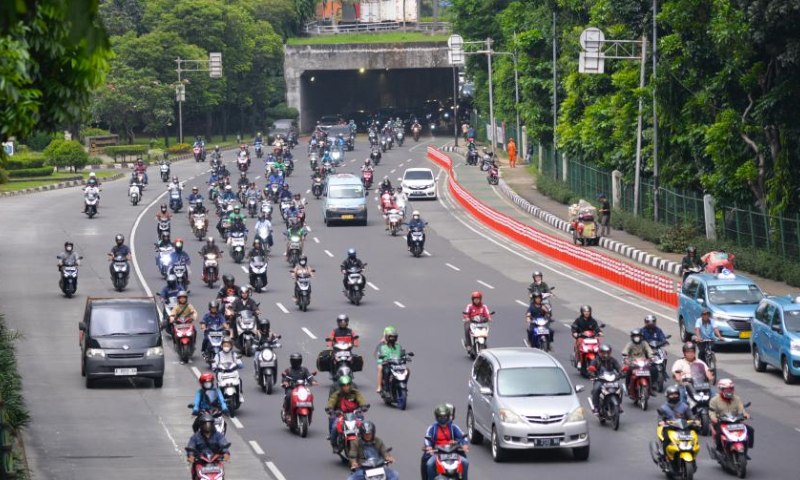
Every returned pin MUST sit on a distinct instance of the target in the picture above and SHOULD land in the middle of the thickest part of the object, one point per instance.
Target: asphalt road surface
(127, 429)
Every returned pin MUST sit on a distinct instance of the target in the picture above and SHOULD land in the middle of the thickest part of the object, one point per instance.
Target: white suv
(419, 183)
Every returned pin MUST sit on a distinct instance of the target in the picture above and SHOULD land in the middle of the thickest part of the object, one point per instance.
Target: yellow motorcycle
(675, 450)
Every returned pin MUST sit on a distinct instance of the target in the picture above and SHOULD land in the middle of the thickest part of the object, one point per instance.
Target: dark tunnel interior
(331, 92)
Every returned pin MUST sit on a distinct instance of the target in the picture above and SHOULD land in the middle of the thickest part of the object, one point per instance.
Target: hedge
(31, 172)
(179, 148)
(125, 150)
(556, 189)
(3, 176)
(25, 160)
(11, 386)
(93, 132)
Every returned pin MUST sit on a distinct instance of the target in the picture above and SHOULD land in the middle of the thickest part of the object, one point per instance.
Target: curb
(618, 247)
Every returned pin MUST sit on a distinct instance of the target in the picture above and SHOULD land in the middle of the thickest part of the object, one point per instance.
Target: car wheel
(499, 454)
(89, 383)
(685, 336)
(581, 454)
(158, 382)
(788, 377)
(757, 363)
(475, 437)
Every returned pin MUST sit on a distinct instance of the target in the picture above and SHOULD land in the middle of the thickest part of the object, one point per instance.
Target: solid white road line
(328, 254)
(258, 177)
(275, 472)
(427, 253)
(798, 430)
(453, 267)
(308, 332)
(245, 270)
(133, 245)
(237, 423)
(391, 172)
(372, 286)
(308, 191)
(256, 447)
(316, 240)
(399, 304)
(196, 372)
(283, 309)
(522, 303)
(485, 284)
(175, 446)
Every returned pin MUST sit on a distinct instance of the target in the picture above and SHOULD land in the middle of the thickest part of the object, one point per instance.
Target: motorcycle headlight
(155, 352)
(95, 353)
(576, 415)
(507, 416)
(302, 395)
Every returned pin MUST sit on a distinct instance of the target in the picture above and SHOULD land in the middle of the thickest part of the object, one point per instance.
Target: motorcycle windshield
(699, 378)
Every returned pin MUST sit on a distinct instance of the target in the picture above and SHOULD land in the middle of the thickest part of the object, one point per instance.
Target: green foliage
(122, 16)
(757, 262)
(638, 226)
(62, 153)
(31, 172)
(93, 132)
(156, 153)
(11, 379)
(3, 176)
(23, 160)
(556, 189)
(39, 140)
(179, 148)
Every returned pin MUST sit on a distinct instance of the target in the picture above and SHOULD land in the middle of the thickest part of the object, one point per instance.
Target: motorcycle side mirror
(579, 388)
(552, 288)
(314, 372)
(747, 405)
(355, 337)
(602, 325)
(327, 339)
(278, 336)
(190, 406)
(410, 354)
(82, 326)
(492, 312)
(389, 449)
(381, 357)
(668, 336)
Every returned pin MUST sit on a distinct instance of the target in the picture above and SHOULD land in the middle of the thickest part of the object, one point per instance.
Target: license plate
(375, 472)
(641, 373)
(745, 334)
(542, 330)
(124, 372)
(347, 217)
(546, 442)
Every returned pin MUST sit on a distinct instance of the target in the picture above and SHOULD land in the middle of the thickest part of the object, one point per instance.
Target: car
(283, 128)
(775, 340)
(419, 183)
(327, 121)
(121, 338)
(522, 399)
(362, 119)
(732, 299)
(345, 200)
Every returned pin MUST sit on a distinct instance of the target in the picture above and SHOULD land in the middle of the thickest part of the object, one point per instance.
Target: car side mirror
(579, 388)
(82, 326)
(701, 301)
(486, 391)
(777, 328)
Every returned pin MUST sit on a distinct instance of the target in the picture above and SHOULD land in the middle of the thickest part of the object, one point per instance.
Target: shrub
(157, 144)
(179, 149)
(95, 161)
(93, 132)
(61, 153)
(125, 151)
(3, 176)
(24, 160)
(155, 154)
(11, 386)
(556, 189)
(40, 140)
(31, 172)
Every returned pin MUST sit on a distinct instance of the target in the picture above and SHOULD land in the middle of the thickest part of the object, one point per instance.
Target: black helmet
(164, 207)
(690, 250)
(228, 280)
(605, 349)
(213, 304)
(367, 428)
(649, 320)
(689, 347)
(120, 239)
(673, 394)
(586, 308)
(172, 280)
(295, 360)
(303, 261)
(536, 294)
(442, 413)
(68, 246)
(342, 319)
(206, 422)
(210, 241)
(636, 335)
(351, 253)
(264, 327)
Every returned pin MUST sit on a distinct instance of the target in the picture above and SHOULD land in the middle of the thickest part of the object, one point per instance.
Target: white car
(419, 183)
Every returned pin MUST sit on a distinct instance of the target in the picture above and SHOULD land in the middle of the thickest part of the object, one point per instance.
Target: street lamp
(456, 58)
(213, 65)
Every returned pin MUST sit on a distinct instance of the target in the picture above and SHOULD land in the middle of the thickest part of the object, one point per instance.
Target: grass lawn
(54, 178)
(389, 37)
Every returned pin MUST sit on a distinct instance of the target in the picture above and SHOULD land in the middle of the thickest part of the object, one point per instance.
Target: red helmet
(476, 294)
(725, 387)
(206, 377)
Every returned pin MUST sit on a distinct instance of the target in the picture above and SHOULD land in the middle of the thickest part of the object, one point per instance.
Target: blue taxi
(776, 336)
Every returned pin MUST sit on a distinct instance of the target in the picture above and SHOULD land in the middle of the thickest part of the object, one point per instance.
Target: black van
(120, 337)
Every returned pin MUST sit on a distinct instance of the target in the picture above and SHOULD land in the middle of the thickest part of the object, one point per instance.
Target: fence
(505, 130)
(7, 467)
(318, 28)
(587, 181)
(748, 227)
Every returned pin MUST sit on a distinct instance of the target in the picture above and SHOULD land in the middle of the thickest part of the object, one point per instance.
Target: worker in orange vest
(512, 153)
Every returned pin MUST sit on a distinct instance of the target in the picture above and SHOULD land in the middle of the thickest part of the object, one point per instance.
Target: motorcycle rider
(227, 355)
(345, 399)
(227, 194)
(274, 177)
(68, 255)
(476, 307)
(252, 192)
(368, 446)
(585, 322)
(244, 302)
(198, 142)
(264, 223)
(651, 332)
(210, 247)
(682, 368)
(537, 309)
(228, 287)
(706, 332)
(302, 267)
(295, 372)
(674, 408)
(237, 220)
(295, 229)
(174, 184)
(208, 397)
(342, 330)
(285, 194)
(603, 363)
(91, 189)
(257, 250)
(725, 402)
(415, 222)
(258, 139)
(118, 250)
(163, 214)
(213, 178)
(538, 284)
(340, 140)
(164, 242)
(171, 289)
(352, 261)
(691, 260)
(207, 442)
(179, 256)
(389, 349)
(140, 167)
(183, 309)
(443, 432)
(195, 196)
(212, 319)
(636, 349)
(386, 186)
(138, 184)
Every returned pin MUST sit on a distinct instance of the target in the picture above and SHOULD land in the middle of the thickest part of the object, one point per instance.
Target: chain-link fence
(587, 181)
(552, 165)
(750, 227)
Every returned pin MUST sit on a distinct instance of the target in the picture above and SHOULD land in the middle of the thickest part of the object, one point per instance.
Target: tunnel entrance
(341, 92)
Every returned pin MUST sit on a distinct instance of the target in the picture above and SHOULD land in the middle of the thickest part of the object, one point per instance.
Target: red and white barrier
(655, 286)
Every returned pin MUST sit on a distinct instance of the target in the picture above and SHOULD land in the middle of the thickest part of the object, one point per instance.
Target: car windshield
(792, 320)
(734, 294)
(532, 382)
(345, 191)
(108, 320)
(418, 175)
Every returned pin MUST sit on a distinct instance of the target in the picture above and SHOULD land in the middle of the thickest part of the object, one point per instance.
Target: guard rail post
(710, 216)
(7, 471)
(616, 189)
(564, 168)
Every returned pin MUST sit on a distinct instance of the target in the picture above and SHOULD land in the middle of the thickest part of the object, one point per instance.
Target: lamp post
(213, 65)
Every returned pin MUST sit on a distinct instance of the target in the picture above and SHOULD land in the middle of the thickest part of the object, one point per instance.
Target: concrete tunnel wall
(301, 62)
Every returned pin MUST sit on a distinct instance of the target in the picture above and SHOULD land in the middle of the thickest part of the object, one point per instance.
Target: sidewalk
(522, 181)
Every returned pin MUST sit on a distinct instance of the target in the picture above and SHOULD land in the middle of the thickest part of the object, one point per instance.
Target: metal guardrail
(317, 28)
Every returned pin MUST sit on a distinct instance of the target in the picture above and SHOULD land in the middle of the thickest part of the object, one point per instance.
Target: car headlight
(576, 415)
(720, 317)
(155, 352)
(795, 346)
(95, 353)
(331, 207)
(507, 416)
(362, 207)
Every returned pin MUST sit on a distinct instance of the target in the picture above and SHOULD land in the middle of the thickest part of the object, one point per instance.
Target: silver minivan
(345, 199)
(521, 399)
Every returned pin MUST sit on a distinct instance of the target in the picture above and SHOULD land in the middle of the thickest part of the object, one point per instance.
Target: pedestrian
(471, 134)
(465, 130)
(605, 215)
(512, 153)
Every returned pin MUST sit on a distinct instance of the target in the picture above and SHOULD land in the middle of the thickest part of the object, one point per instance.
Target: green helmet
(345, 380)
(441, 410)
(389, 331)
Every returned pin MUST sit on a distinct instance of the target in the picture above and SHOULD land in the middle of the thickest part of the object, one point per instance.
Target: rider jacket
(600, 365)
(542, 287)
(168, 292)
(637, 350)
(690, 262)
(256, 252)
(351, 263)
(248, 304)
(361, 450)
(181, 258)
(442, 435)
(418, 223)
(293, 374)
(208, 399)
(224, 291)
(346, 402)
(213, 444)
(675, 412)
(653, 335)
(718, 407)
(206, 250)
(343, 332)
(211, 320)
(582, 324)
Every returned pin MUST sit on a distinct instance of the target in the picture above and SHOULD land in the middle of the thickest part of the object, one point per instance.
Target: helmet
(442, 413)
(257, 241)
(213, 304)
(689, 347)
(367, 428)
(165, 237)
(228, 188)
(244, 289)
(179, 245)
(227, 340)
(195, 189)
(636, 336)
(389, 333)
(303, 261)
(691, 250)
(537, 273)
(120, 239)
(367, 162)
(725, 387)
(206, 380)
(175, 179)
(210, 241)
(351, 253)
(673, 394)
(295, 360)
(183, 294)
(206, 422)
(342, 319)
(345, 380)
(586, 308)
(263, 327)
(216, 147)
(236, 208)
(297, 196)
(605, 351)
(650, 320)
(476, 294)
(286, 186)
(227, 280)
(164, 207)
(68, 246)
(415, 214)
(171, 280)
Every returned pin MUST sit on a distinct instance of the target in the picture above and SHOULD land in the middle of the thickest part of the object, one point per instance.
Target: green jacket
(356, 451)
(542, 287)
(640, 350)
(353, 395)
(389, 352)
(234, 216)
(718, 407)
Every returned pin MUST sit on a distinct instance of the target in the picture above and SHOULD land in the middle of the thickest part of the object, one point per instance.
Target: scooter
(164, 227)
(660, 362)
(294, 250)
(180, 270)
(539, 333)
(175, 201)
(230, 384)
(252, 206)
(246, 333)
(184, 335)
(354, 292)
(121, 274)
(164, 168)
(417, 241)
(134, 194)
(302, 283)
(639, 387)
(610, 399)
(258, 274)
(265, 365)
(316, 188)
(493, 176)
(266, 209)
(366, 179)
(374, 468)
(395, 391)
(68, 281)
(210, 269)
(675, 449)
(90, 204)
(215, 336)
(586, 350)
(395, 220)
(208, 467)
(478, 335)
(199, 225)
(448, 462)
(259, 150)
(698, 396)
(237, 246)
(164, 259)
(301, 406)
(735, 444)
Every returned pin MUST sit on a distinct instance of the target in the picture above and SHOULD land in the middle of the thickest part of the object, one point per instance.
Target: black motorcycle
(394, 391)
(610, 399)
(417, 241)
(68, 282)
(121, 272)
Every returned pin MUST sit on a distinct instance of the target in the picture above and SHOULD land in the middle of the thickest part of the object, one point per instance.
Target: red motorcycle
(387, 202)
(493, 177)
(207, 467)
(301, 406)
(183, 335)
(639, 384)
(448, 462)
(199, 154)
(735, 443)
(347, 425)
(587, 347)
(366, 178)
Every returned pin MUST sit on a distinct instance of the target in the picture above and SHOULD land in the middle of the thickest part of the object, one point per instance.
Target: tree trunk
(209, 124)
(224, 124)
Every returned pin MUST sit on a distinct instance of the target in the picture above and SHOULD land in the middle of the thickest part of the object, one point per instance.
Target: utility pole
(636, 178)
(455, 105)
(213, 65)
(489, 42)
(555, 100)
(655, 114)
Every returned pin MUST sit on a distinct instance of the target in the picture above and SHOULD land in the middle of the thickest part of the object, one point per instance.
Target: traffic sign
(592, 39)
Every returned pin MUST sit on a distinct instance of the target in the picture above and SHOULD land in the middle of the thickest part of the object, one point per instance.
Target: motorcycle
(539, 334)
(164, 169)
(184, 336)
(316, 188)
(302, 286)
(199, 154)
(208, 467)
(384, 145)
(263, 235)
(396, 391)
(417, 241)
(175, 200)
(265, 365)
(639, 386)
(448, 462)
(68, 281)
(237, 246)
(134, 194)
(285, 204)
(266, 209)
(698, 396)
(252, 206)
(400, 137)
(90, 200)
(487, 161)
(610, 399)
(660, 362)
(230, 384)
(258, 274)
(313, 161)
(294, 250)
(246, 333)
(301, 407)
(121, 274)
(164, 227)
(259, 150)
(354, 291)
(374, 468)
(199, 225)
(366, 178)
(347, 425)
(375, 156)
(167, 306)
(395, 219)
(472, 156)
(181, 272)
(242, 163)
(415, 131)
(213, 193)
(478, 335)
(215, 336)
(587, 348)
(675, 449)
(220, 425)
(735, 444)
(274, 192)
(493, 176)
(210, 269)
(343, 362)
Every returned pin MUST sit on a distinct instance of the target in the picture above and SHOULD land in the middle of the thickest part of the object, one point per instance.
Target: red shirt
(473, 310)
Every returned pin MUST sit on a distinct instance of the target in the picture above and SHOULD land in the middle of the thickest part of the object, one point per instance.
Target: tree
(122, 16)
(69, 154)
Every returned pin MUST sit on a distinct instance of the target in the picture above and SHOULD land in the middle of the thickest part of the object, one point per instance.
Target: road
(130, 430)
